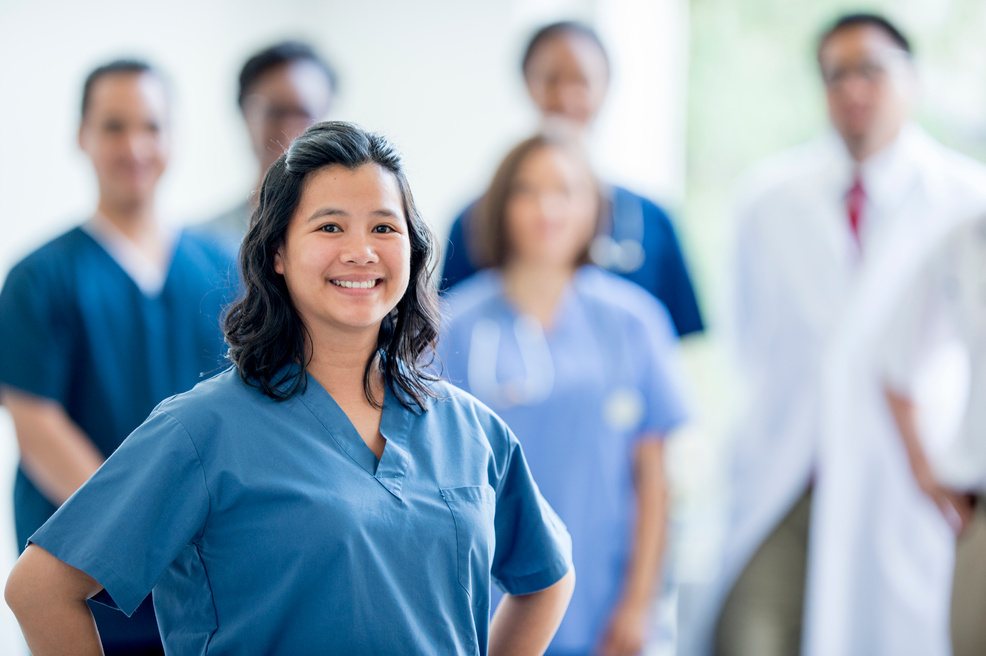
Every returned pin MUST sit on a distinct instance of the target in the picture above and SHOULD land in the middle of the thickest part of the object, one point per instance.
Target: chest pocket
(473, 508)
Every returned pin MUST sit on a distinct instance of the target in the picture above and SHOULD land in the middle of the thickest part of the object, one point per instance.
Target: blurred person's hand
(627, 630)
(956, 507)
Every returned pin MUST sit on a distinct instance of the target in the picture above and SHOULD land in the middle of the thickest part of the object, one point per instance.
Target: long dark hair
(265, 332)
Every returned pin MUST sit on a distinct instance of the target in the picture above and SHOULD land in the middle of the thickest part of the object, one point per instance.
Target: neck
(536, 288)
(862, 148)
(137, 220)
(339, 361)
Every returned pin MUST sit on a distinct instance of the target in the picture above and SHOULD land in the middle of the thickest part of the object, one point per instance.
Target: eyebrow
(333, 211)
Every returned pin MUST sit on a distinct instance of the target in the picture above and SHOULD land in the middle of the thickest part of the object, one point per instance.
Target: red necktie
(854, 206)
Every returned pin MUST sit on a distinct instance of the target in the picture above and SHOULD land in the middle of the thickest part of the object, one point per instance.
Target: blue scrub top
(76, 329)
(269, 527)
(663, 272)
(611, 348)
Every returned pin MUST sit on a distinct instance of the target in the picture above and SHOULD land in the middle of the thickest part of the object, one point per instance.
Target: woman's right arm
(48, 598)
(523, 625)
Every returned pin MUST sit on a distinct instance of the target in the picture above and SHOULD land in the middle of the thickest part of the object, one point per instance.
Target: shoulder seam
(198, 456)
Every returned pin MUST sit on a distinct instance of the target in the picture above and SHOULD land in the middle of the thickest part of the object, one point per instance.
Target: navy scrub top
(76, 329)
(269, 527)
(663, 272)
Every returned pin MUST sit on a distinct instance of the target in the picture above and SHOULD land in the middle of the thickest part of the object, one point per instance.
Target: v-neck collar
(562, 308)
(390, 469)
(149, 277)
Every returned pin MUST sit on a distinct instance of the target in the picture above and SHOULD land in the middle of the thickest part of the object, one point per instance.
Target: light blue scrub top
(270, 527)
(611, 347)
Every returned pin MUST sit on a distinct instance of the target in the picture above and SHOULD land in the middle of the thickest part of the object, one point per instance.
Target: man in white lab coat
(815, 227)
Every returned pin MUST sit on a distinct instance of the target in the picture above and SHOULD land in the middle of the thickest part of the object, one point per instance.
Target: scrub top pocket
(473, 508)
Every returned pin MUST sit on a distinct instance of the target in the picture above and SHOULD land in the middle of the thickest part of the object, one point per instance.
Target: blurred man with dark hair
(819, 229)
(102, 323)
(283, 89)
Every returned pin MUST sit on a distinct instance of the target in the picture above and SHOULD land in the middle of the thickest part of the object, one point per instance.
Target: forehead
(856, 42)
(552, 160)
(369, 186)
(291, 78)
(568, 50)
(128, 93)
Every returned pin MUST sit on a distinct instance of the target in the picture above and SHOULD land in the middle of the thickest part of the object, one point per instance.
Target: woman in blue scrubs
(566, 72)
(325, 495)
(579, 362)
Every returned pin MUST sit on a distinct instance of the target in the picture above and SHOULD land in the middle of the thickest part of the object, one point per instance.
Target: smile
(348, 284)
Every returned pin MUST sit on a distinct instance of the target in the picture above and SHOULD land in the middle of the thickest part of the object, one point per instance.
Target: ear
(278, 262)
(81, 137)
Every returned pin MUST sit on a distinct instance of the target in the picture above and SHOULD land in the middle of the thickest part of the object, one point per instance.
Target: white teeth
(355, 285)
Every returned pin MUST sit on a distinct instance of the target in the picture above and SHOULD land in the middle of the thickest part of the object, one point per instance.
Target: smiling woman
(342, 208)
(310, 479)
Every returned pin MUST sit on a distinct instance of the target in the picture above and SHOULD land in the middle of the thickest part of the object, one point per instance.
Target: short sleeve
(134, 516)
(533, 548)
(35, 333)
(662, 374)
(674, 284)
(457, 265)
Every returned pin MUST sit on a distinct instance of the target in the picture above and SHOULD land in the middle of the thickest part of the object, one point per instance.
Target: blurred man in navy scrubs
(107, 320)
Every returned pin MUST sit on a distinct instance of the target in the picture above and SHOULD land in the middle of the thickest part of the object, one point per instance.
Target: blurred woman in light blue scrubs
(325, 495)
(579, 363)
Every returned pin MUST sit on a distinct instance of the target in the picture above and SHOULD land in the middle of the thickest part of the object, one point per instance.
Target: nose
(570, 98)
(359, 250)
(139, 145)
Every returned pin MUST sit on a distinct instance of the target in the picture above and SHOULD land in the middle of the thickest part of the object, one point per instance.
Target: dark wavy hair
(263, 328)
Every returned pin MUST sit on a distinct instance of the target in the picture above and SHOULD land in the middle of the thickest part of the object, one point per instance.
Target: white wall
(441, 77)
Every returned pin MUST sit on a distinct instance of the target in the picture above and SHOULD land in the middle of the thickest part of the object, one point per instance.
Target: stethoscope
(622, 251)
(623, 406)
(535, 356)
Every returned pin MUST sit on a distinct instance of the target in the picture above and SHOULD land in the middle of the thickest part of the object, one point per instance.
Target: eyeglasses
(870, 70)
(258, 108)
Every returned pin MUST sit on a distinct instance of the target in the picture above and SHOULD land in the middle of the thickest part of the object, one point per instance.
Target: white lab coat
(936, 345)
(884, 554)
(797, 288)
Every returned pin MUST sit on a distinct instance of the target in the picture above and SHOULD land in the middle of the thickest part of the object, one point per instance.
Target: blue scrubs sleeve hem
(537, 581)
(32, 386)
(663, 428)
(125, 598)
